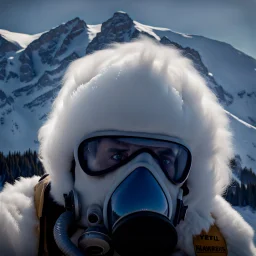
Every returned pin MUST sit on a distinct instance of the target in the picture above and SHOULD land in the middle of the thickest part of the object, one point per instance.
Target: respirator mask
(137, 217)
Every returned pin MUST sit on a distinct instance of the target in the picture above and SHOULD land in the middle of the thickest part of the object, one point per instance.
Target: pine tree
(15, 165)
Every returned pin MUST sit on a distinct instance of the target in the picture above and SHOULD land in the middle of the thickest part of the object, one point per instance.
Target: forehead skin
(107, 146)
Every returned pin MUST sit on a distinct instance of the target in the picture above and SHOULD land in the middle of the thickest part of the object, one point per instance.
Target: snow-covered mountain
(32, 67)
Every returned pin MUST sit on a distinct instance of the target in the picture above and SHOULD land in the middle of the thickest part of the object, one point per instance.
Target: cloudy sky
(231, 21)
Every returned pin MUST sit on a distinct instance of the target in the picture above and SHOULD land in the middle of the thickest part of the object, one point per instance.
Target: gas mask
(139, 215)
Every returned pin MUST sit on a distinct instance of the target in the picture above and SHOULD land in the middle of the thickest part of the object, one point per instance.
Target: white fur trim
(237, 232)
(18, 220)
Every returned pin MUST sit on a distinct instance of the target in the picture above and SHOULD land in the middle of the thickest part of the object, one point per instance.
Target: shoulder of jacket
(18, 219)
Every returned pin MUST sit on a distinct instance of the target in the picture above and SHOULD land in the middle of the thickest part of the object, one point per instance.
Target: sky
(231, 21)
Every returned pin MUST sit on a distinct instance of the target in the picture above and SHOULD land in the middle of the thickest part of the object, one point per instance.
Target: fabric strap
(39, 191)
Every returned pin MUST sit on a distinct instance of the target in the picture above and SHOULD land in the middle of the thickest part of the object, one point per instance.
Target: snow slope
(22, 40)
(244, 140)
(231, 68)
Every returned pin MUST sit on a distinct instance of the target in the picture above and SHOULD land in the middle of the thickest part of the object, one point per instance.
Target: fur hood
(142, 87)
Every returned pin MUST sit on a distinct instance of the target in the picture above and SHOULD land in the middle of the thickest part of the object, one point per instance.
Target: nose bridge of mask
(147, 159)
(144, 159)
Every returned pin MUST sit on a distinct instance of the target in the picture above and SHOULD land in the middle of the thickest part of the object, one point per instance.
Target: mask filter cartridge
(95, 240)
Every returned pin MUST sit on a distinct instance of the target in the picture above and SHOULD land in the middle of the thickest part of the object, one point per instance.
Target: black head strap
(181, 209)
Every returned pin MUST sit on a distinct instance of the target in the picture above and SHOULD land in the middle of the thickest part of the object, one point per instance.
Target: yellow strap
(39, 190)
(211, 243)
(39, 195)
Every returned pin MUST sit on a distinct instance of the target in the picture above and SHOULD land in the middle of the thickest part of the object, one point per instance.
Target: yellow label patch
(210, 243)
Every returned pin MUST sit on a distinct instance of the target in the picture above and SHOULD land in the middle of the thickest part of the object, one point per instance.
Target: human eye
(119, 156)
(167, 160)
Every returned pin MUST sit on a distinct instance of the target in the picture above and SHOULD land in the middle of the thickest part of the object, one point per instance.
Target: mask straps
(72, 204)
(72, 169)
(181, 209)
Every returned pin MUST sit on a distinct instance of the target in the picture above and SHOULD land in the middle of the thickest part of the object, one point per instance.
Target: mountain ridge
(31, 77)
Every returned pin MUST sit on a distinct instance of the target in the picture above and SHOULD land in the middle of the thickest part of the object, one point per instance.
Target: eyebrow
(113, 150)
(167, 152)
(117, 143)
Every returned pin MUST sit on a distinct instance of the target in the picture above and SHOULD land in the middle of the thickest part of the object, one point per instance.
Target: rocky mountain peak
(73, 22)
(120, 21)
(119, 28)
(49, 46)
(78, 27)
(120, 15)
(195, 57)
(53, 34)
(6, 46)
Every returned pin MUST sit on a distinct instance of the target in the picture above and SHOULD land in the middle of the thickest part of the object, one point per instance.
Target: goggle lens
(101, 155)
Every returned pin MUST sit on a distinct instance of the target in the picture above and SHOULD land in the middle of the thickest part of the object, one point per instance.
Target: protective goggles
(105, 153)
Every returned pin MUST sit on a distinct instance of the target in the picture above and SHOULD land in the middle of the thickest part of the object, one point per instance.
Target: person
(137, 151)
